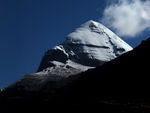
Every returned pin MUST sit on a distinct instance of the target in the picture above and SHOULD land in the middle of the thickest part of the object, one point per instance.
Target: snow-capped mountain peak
(91, 45)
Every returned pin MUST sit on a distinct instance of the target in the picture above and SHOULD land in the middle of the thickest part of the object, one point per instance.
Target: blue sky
(28, 28)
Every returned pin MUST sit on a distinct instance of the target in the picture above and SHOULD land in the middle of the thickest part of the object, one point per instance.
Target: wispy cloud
(128, 17)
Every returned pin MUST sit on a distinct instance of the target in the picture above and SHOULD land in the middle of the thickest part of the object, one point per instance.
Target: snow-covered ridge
(90, 45)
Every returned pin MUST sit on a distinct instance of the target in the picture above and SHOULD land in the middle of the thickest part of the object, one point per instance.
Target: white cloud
(128, 17)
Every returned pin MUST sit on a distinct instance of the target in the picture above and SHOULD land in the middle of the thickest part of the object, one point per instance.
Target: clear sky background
(28, 28)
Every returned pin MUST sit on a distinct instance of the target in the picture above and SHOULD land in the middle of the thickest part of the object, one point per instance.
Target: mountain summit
(90, 45)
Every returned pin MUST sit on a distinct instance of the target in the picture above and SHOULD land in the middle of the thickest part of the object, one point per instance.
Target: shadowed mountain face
(126, 76)
(121, 85)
